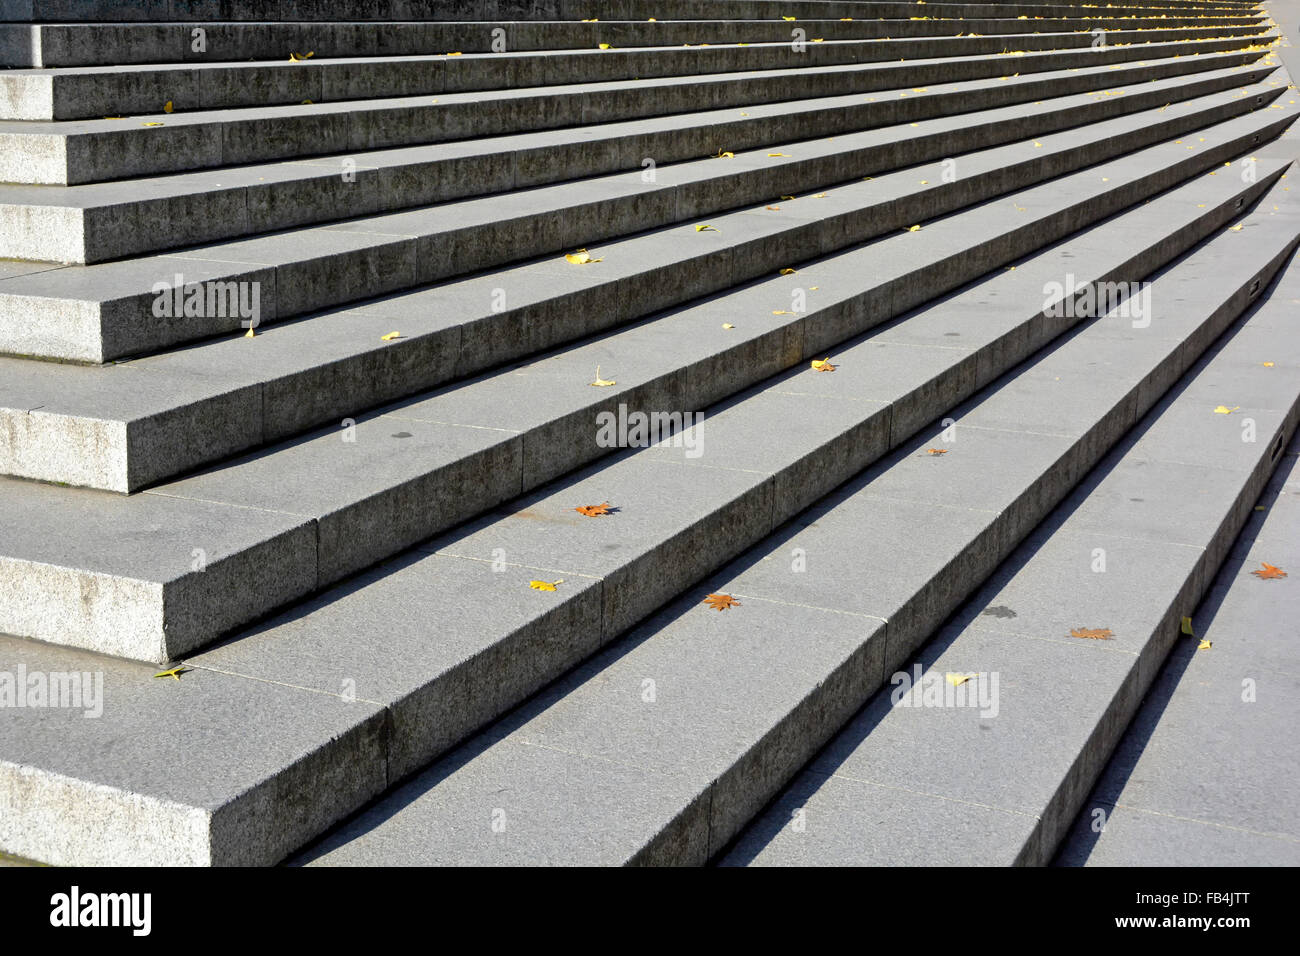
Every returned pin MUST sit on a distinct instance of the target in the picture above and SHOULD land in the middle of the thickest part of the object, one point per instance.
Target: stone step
(99, 312)
(81, 117)
(96, 150)
(927, 785)
(1202, 776)
(114, 44)
(662, 747)
(103, 221)
(338, 500)
(296, 11)
(278, 734)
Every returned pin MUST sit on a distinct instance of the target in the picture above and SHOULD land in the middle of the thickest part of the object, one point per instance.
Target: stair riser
(405, 515)
(96, 95)
(67, 45)
(306, 11)
(56, 448)
(56, 328)
(97, 234)
(128, 150)
(764, 771)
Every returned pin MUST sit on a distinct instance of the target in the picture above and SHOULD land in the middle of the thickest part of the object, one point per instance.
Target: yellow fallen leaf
(390, 336)
(251, 333)
(151, 124)
(1236, 228)
(299, 57)
(1187, 627)
(175, 673)
(1225, 410)
(1266, 364)
(309, 102)
(790, 198)
(457, 53)
(913, 228)
(581, 258)
(779, 154)
(602, 382)
(787, 18)
(603, 46)
(782, 312)
(1204, 646)
(957, 679)
(727, 155)
(787, 272)
(727, 325)
(167, 107)
(703, 227)
(822, 365)
(544, 585)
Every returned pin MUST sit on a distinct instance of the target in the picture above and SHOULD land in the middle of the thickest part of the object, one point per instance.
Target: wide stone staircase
(619, 431)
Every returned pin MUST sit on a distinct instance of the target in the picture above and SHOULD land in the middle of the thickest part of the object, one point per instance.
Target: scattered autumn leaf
(151, 124)
(704, 227)
(822, 365)
(720, 602)
(602, 382)
(299, 57)
(603, 46)
(937, 451)
(1225, 410)
(787, 272)
(1186, 627)
(581, 257)
(167, 107)
(913, 228)
(175, 673)
(1268, 572)
(773, 208)
(1204, 646)
(787, 155)
(544, 585)
(727, 325)
(390, 336)
(725, 155)
(594, 511)
(957, 679)
(1093, 633)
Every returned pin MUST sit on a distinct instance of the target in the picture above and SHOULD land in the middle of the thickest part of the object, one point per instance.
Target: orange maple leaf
(1095, 633)
(937, 451)
(593, 511)
(720, 602)
(1268, 571)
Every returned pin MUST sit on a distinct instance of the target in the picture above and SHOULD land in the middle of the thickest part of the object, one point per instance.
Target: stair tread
(732, 683)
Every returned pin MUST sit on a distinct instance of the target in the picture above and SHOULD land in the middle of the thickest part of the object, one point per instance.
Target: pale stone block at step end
(184, 571)
(156, 772)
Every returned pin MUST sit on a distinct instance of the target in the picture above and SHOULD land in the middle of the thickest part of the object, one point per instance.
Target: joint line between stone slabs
(1064, 530)
(923, 793)
(809, 607)
(278, 683)
(443, 552)
(1209, 823)
(226, 504)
